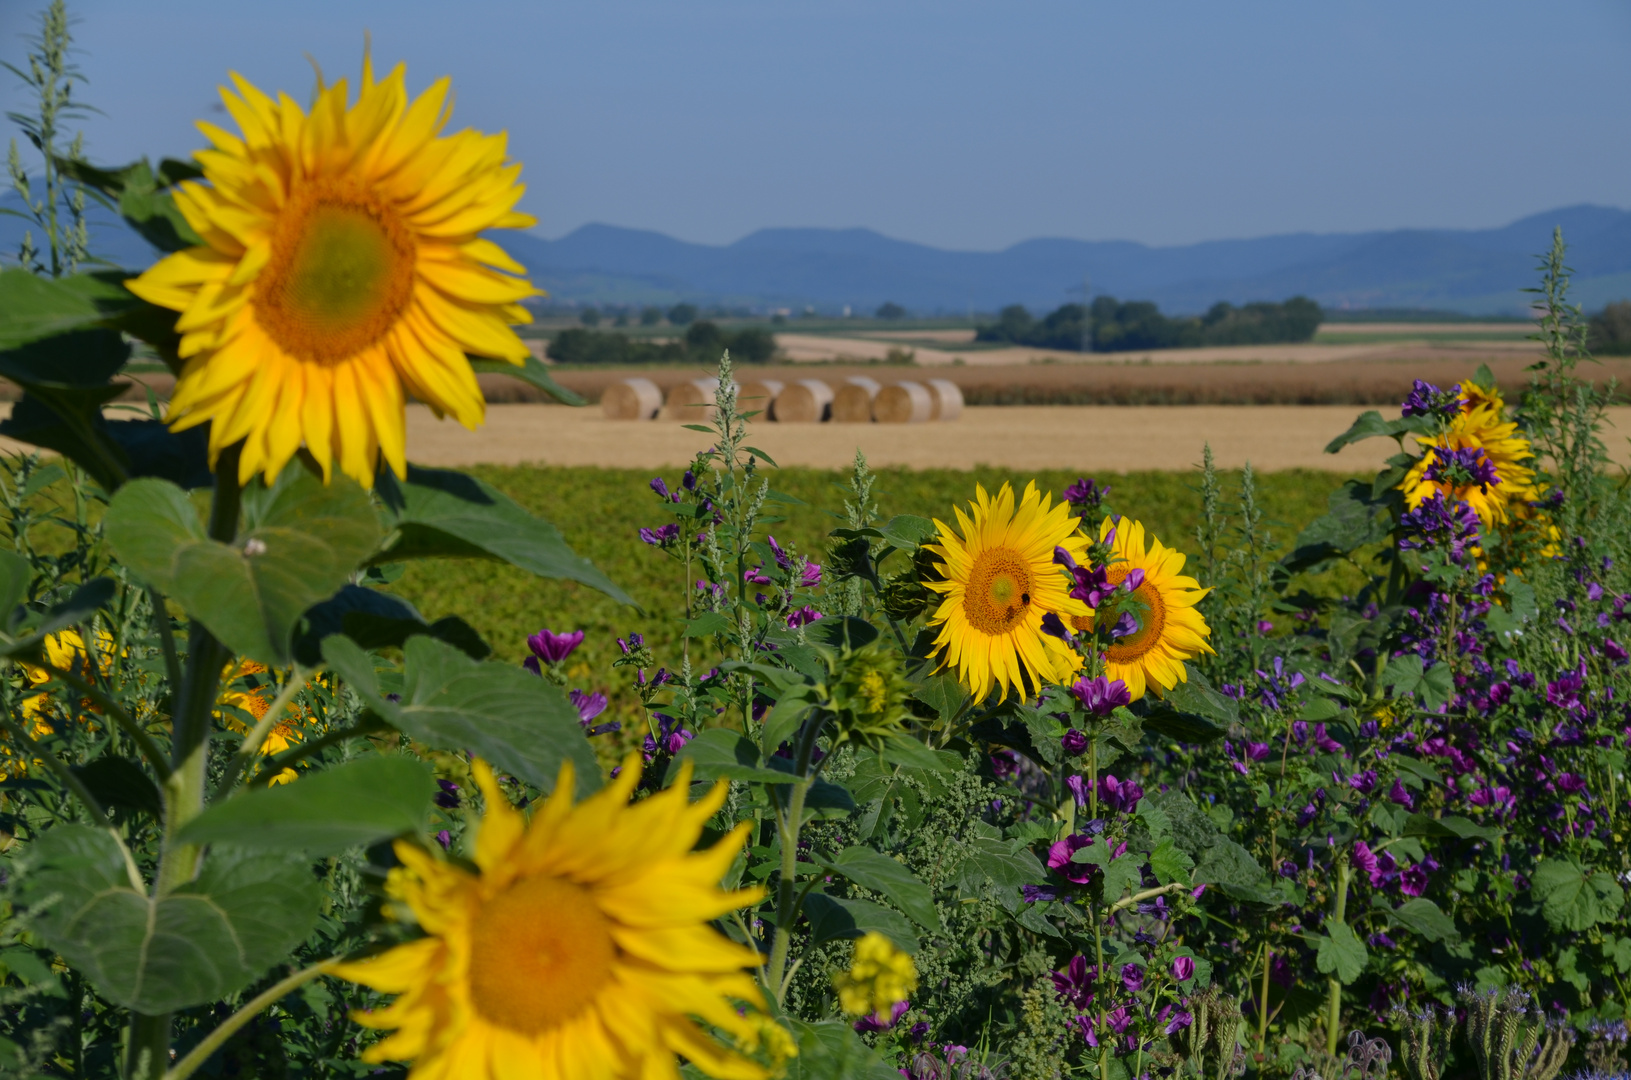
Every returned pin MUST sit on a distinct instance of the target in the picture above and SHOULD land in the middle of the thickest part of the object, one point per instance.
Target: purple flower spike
(1100, 696)
(1085, 497)
(551, 647)
(1462, 468)
(1425, 399)
(781, 556)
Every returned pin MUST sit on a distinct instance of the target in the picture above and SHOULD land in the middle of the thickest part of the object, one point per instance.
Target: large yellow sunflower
(1170, 630)
(582, 949)
(1478, 426)
(999, 580)
(343, 265)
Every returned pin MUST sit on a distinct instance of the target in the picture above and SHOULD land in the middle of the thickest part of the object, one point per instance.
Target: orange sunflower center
(340, 274)
(999, 591)
(539, 953)
(1151, 622)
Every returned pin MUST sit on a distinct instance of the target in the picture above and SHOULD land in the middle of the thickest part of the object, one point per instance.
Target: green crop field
(600, 511)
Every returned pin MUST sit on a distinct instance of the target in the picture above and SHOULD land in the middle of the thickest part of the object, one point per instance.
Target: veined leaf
(210, 937)
(873, 870)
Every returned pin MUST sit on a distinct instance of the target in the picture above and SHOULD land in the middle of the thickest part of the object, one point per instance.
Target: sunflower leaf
(876, 871)
(363, 801)
(533, 372)
(375, 620)
(437, 513)
(301, 540)
(834, 917)
(520, 723)
(210, 937)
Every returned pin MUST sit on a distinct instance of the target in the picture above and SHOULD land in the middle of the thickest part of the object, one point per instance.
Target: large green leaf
(33, 308)
(834, 917)
(1341, 953)
(138, 192)
(1192, 711)
(436, 513)
(720, 753)
(1573, 898)
(376, 620)
(1370, 424)
(873, 870)
(1352, 520)
(299, 542)
(1448, 825)
(209, 938)
(1425, 918)
(533, 372)
(1008, 864)
(521, 724)
(361, 802)
(831, 1050)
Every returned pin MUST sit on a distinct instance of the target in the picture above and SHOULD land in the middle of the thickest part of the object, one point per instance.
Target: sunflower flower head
(1149, 643)
(342, 268)
(1478, 458)
(996, 579)
(868, 696)
(582, 948)
(879, 976)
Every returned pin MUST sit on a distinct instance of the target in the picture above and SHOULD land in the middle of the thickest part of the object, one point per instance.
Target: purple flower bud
(445, 839)
(589, 706)
(1074, 742)
(689, 481)
(1134, 579)
(1182, 968)
(1132, 977)
(659, 487)
(811, 576)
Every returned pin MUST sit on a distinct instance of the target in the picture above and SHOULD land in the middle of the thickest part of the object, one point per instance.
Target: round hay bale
(902, 403)
(692, 401)
(759, 395)
(806, 401)
(631, 399)
(945, 399)
(853, 402)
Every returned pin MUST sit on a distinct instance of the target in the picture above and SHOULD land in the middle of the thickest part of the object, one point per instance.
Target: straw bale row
(856, 400)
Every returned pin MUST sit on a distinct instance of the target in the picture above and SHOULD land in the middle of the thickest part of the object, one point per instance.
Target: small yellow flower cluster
(879, 975)
(764, 1033)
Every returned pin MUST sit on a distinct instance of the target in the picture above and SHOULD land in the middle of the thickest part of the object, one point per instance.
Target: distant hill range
(1476, 271)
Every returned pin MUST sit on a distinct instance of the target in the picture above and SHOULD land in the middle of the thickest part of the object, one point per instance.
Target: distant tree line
(1115, 326)
(702, 344)
(1610, 330)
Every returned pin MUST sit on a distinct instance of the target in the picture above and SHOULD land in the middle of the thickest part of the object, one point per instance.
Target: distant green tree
(706, 336)
(753, 345)
(1014, 324)
(682, 314)
(589, 316)
(891, 310)
(1610, 330)
(651, 316)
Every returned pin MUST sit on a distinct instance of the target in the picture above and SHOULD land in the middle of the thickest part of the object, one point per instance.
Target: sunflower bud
(868, 696)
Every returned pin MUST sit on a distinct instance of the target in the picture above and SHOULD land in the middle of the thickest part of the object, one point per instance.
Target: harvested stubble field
(1125, 381)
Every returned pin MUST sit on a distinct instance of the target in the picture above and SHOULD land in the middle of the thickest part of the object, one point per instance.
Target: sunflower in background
(343, 265)
(580, 949)
(1150, 656)
(1478, 431)
(40, 709)
(245, 688)
(999, 579)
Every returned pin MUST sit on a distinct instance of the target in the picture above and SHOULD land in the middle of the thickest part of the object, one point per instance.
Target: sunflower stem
(229, 1027)
(788, 900)
(149, 1048)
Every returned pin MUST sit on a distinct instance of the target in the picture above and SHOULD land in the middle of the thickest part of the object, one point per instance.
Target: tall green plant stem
(1333, 1007)
(149, 1046)
(212, 1042)
(787, 832)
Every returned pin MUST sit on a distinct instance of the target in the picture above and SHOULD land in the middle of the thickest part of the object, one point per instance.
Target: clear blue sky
(959, 124)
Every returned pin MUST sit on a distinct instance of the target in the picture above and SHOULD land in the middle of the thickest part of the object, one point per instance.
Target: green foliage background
(600, 511)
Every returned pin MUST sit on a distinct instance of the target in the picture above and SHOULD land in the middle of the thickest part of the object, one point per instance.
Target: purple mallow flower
(802, 617)
(1075, 982)
(671, 737)
(589, 706)
(1182, 968)
(662, 536)
(1059, 859)
(551, 647)
(1132, 977)
(1074, 742)
(1101, 696)
(873, 1022)
(811, 577)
